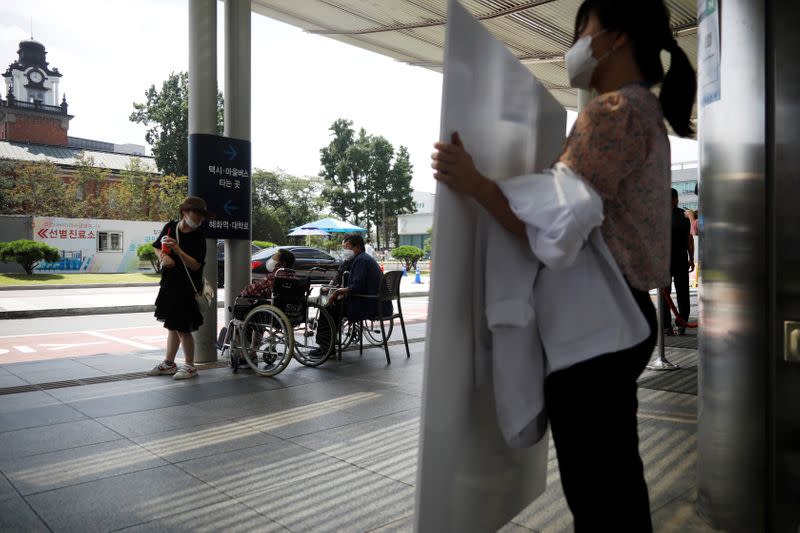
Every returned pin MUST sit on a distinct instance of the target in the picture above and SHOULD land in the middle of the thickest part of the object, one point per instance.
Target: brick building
(34, 121)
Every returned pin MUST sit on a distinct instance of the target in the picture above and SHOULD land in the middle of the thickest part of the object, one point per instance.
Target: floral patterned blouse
(619, 145)
(261, 288)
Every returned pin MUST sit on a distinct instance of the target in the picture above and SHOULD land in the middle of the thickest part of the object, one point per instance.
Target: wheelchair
(265, 333)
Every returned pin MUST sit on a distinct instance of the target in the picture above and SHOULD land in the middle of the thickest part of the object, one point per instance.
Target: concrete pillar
(237, 125)
(203, 119)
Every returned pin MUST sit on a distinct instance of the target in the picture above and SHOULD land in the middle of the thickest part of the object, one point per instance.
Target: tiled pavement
(326, 449)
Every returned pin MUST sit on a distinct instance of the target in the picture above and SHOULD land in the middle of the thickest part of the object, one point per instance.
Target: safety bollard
(661, 363)
(418, 278)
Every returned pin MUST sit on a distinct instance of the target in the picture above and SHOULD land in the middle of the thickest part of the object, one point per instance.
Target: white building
(412, 228)
(684, 180)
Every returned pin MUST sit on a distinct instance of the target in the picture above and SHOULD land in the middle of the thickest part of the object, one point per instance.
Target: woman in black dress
(182, 249)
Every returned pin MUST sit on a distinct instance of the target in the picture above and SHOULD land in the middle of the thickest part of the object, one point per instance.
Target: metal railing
(35, 105)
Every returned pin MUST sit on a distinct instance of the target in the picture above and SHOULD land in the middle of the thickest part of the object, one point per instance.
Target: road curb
(76, 286)
(112, 310)
(80, 311)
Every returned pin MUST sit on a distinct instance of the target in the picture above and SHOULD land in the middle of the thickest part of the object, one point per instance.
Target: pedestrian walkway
(88, 444)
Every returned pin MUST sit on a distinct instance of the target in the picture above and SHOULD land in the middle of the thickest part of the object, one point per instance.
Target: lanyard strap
(178, 239)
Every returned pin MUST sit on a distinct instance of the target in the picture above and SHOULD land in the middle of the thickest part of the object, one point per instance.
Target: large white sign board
(93, 245)
(468, 480)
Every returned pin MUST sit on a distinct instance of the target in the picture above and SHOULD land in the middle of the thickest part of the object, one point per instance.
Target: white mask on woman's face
(271, 264)
(348, 254)
(191, 223)
(581, 63)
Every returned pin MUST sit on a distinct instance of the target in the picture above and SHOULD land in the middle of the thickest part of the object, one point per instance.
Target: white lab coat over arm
(559, 301)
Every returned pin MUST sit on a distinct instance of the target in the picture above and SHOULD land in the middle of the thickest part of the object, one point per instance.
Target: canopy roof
(538, 32)
(328, 225)
(300, 232)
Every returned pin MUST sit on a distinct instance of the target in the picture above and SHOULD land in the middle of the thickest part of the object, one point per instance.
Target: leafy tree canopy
(165, 113)
(28, 253)
(282, 201)
(365, 180)
(409, 255)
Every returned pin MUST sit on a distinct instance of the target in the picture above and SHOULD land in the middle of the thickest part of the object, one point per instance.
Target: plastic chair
(389, 291)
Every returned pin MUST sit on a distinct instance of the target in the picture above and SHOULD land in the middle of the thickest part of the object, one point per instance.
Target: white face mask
(271, 264)
(581, 63)
(348, 254)
(191, 223)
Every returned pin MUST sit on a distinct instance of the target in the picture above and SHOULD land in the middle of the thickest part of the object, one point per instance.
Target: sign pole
(237, 125)
(203, 119)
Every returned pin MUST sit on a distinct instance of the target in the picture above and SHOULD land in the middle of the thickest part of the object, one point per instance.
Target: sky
(111, 51)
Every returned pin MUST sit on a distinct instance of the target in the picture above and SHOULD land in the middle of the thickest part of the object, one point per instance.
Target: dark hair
(674, 193)
(646, 22)
(286, 257)
(355, 239)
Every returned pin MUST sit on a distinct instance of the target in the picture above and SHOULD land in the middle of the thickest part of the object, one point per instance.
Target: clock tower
(31, 111)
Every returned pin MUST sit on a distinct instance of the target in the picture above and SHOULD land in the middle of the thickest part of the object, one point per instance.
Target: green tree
(346, 163)
(409, 255)
(146, 252)
(266, 227)
(38, 190)
(334, 168)
(166, 116)
(397, 199)
(428, 245)
(28, 254)
(172, 190)
(7, 178)
(133, 196)
(365, 181)
(282, 201)
(90, 185)
(381, 152)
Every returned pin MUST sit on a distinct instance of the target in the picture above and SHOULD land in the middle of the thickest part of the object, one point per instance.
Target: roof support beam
(432, 23)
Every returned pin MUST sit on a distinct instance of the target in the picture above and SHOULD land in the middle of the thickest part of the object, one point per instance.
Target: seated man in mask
(365, 278)
(263, 287)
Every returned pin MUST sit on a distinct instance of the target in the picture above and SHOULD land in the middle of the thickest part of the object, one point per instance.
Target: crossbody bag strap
(178, 239)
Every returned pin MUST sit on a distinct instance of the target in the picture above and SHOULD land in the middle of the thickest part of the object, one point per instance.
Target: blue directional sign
(219, 173)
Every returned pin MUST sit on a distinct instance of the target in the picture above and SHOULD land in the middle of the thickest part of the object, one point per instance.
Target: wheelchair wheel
(349, 332)
(372, 331)
(266, 341)
(314, 339)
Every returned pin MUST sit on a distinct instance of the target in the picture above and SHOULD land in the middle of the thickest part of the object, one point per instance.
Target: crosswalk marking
(56, 347)
(121, 340)
(24, 349)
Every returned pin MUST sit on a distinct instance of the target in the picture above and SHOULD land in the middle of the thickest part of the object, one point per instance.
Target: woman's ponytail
(647, 24)
(678, 90)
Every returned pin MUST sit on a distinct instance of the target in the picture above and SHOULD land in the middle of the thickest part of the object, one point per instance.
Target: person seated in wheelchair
(365, 279)
(262, 289)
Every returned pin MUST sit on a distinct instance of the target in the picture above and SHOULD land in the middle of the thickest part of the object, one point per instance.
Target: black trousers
(680, 277)
(592, 410)
(326, 337)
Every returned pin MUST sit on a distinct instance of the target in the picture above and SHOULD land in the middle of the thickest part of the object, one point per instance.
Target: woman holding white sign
(619, 147)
